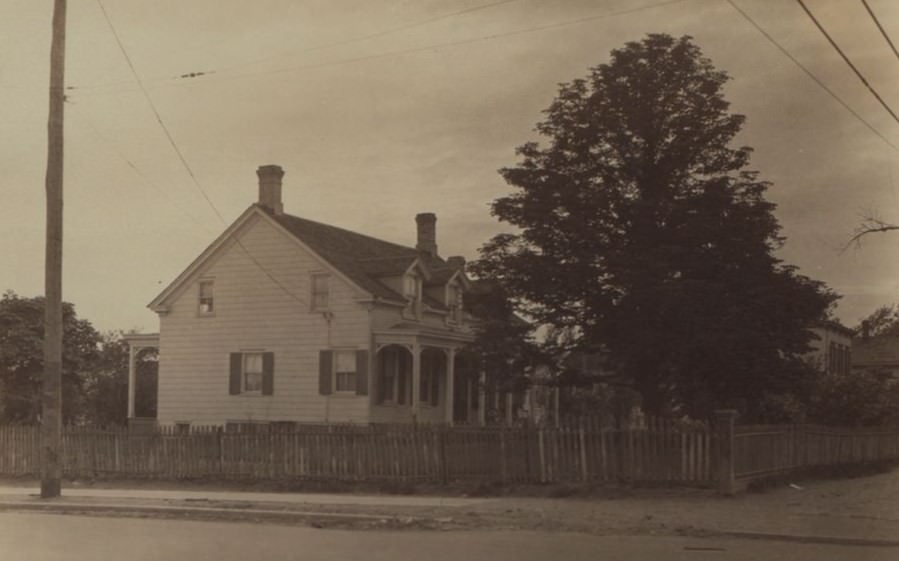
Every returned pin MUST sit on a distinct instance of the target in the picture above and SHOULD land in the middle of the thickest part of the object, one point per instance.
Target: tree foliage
(643, 235)
(503, 340)
(106, 384)
(860, 398)
(884, 321)
(22, 359)
(94, 369)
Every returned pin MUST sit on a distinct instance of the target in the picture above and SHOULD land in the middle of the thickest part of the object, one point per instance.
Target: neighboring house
(284, 320)
(879, 353)
(832, 347)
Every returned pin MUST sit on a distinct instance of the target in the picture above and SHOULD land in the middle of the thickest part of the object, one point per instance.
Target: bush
(859, 398)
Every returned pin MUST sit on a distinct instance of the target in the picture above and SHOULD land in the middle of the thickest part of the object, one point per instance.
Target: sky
(381, 109)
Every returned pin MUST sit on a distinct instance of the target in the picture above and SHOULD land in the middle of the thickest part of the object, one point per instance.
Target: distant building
(832, 348)
(879, 353)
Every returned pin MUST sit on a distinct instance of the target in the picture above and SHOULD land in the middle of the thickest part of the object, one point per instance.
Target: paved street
(50, 537)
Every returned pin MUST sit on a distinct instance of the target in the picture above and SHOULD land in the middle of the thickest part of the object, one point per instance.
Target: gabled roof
(362, 259)
(365, 259)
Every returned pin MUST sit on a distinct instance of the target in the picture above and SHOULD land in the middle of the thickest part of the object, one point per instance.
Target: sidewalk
(863, 511)
(242, 496)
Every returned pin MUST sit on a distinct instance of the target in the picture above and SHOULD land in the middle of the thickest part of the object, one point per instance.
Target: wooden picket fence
(582, 450)
(661, 452)
(765, 450)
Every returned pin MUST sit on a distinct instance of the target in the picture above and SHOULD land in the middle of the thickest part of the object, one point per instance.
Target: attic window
(206, 298)
(320, 292)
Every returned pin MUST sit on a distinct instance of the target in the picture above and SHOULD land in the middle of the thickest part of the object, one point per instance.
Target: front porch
(424, 375)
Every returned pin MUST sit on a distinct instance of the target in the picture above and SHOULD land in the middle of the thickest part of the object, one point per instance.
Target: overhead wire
(880, 27)
(849, 62)
(137, 171)
(217, 77)
(314, 48)
(183, 160)
(814, 78)
(376, 34)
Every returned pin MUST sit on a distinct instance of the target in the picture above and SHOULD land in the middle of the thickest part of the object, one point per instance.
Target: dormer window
(454, 302)
(412, 292)
(206, 304)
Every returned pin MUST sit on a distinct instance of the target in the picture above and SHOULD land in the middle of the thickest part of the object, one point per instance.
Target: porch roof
(407, 333)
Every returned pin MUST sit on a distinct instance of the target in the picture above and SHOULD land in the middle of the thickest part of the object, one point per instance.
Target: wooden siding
(254, 312)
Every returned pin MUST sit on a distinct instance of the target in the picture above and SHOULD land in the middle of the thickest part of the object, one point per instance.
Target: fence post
(444, 466)
(724, 450)
(582, 444)
(502, 455)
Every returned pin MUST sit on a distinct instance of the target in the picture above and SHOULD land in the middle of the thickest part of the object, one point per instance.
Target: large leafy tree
(22, 363)
(504, 341)
(643, 236)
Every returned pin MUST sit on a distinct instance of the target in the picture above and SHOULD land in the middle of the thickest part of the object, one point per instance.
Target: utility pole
(51, 402)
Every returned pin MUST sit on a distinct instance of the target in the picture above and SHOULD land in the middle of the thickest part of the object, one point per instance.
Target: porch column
(132, 378)
(416, 380)
(509, 409)
(482, 397)
(448, 402)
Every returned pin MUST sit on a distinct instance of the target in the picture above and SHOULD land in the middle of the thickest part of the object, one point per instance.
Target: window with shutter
(345, 371)
(252, 373)
(362, 372)
(324, 372)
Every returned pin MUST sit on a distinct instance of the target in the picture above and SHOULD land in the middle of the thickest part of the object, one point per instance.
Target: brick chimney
(270, 188)
(456, 262)
(427, 233)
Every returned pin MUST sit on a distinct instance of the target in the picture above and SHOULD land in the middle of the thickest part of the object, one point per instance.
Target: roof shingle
(362, 258)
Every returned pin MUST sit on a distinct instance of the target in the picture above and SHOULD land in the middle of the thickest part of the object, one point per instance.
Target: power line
(880, 27)
(377, 34)
(435, 46)
(159, 120)
(184, 161)
(812, 76)
(325, 45)
(849, 62)
(137, 170)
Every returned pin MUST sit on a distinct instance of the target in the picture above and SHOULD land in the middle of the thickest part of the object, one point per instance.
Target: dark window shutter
(268, 373)
(234, 382)
(361, 372)
(401, 386)
(324, 372)
(380, 386)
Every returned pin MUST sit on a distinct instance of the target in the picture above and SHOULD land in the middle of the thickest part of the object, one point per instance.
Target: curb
(828, 540)
(150, 509)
